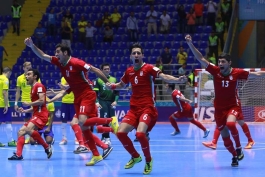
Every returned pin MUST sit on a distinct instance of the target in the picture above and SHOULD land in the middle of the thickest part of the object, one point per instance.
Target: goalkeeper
(226, 103)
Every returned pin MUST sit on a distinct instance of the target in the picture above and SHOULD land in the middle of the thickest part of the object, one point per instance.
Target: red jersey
(181, 105)
(75, 73)
(226, 86)
(34, 94)
(142, 82)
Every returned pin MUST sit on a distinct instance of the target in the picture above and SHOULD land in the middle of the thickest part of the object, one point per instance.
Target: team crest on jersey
(231, 77)
(71, 68)
(141, 73)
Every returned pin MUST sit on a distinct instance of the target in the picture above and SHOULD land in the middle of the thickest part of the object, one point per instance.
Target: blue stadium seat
(152, 37)
(170, 37)
(123, 67)
(199, 29)
(142, 15)
(152, 59)
(208, 29)
(108, 60)
(196, 37)
(99, 60)
(171, 8)
(129, 9)
(168, 44)
(149, 45)
(117, 60)
(204, 44)
(117, 38)
(161, 37)
(120, 8)
(176, 45)
(205, 37)
(102, 53)
(143, 37)
(179, 37)
(119, 52)
(156, 52)
(113, 67)
(123, 45)
(114, 45)
(158, 45)
(203, 52)
(93, 53)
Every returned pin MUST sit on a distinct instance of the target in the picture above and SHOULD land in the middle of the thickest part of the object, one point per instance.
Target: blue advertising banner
(252, 9)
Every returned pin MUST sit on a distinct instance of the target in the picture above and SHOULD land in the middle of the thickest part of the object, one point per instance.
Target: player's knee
(230, 125)
(28, 130)
(121, 135)
(140, 135)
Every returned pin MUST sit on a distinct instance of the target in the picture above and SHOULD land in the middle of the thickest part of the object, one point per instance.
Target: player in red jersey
(226, 103)
(184, 111)
(75, 72)
(142, 114)
(39, 117)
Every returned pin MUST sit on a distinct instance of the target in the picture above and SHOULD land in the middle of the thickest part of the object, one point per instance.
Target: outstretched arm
(99, 73)
(196, 52)
(58, 96)
(115, 86)
(256, 74)
(36, 50)
(172, 79)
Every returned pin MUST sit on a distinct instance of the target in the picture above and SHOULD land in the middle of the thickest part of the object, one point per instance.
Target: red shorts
(221, 115)
(185, 113)
(38, 120)
(85, 105)
(146, 114)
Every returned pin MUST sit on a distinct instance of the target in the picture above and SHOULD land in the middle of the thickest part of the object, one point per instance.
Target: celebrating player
(226, 103)
(142, 114)
(39, 117)
(184, 111)
(75, 71)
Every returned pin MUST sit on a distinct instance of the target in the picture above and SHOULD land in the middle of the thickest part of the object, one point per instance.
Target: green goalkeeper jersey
(103, 93)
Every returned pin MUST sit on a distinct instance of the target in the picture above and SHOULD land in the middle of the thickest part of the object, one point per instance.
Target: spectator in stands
(90, 31)
(220, 30)
(158, 81)
(198, 9)
(40, 35)
(213, 44)
(166, 60)
(165, 23)
(108, 34)
(16, 15)
(191, 21)
(181, 19)
(66, 34)
(149, 2)
(182, 72)
(106, 19)
(151, 17)
(211, 13)
(182, 56)
(52, 21)
(191, 82)
(2, 50)
(226, 13)
(132, 27)
(68, 16)
(82, 24)
(211, 59)
(115, 18)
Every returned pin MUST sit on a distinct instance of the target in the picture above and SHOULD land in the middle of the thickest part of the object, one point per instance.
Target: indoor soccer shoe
(94, 160)
(209, 145)
(27, 141)
(76, 142)
(114, 124)
(12, 144)
(15, 157)
(249, 145)
(48, 151)
(234, 162)
(148, 167)
(175, 133)
(106, 152)
(206, 133)
(63, 142)
(132, 162)
(240, 154)
(81, 149)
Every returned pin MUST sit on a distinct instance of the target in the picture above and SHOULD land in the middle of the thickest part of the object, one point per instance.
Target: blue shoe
(206, 133)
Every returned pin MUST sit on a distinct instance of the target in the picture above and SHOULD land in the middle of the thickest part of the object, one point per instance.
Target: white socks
(63, 126)
(9, 131)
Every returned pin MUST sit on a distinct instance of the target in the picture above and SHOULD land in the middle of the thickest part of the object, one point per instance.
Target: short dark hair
(64, 48)
(104, 64)
(225, 56)
(136, 45)
(35, 73)
(6, 70)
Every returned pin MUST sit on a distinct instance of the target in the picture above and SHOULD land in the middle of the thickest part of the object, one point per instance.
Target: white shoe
(63, 142)
(76, 142)
(175, 133)
(107, 141)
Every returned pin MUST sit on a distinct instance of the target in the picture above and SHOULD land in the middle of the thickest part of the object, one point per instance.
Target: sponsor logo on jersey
(71, 68)
(231, 77)
(141, 73)
(39, 89)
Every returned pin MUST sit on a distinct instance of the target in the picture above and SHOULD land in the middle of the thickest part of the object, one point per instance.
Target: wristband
(15, 103)
(113, 86)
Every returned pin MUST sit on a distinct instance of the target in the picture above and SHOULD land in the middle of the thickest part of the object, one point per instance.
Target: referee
(106, 99)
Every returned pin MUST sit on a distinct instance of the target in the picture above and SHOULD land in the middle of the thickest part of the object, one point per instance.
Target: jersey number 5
(225, 83)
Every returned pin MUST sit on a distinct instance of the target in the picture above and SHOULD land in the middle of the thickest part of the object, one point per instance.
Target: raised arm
(99, 73)
(36, 50)
(256, 74)
(196, 52)
(172, 79)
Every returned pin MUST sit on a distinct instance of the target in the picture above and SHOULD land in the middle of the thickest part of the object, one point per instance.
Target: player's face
(61, 55)
(106, 70)
(26, 68)
(137, 57)
(224, 66)
(29, 77)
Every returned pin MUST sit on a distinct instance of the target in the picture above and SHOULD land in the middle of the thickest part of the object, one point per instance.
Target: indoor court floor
(174, 156)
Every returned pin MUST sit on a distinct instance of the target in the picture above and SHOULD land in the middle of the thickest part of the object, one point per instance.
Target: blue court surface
(174, 156)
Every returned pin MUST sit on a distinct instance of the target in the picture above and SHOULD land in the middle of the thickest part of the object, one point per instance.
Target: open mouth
(221, 67)
(136, 60)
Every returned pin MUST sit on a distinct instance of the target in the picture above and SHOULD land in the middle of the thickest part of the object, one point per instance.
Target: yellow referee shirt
(51, 108)
(68, 98)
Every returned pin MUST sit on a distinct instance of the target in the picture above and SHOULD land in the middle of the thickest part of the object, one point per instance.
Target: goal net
(251, 94)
